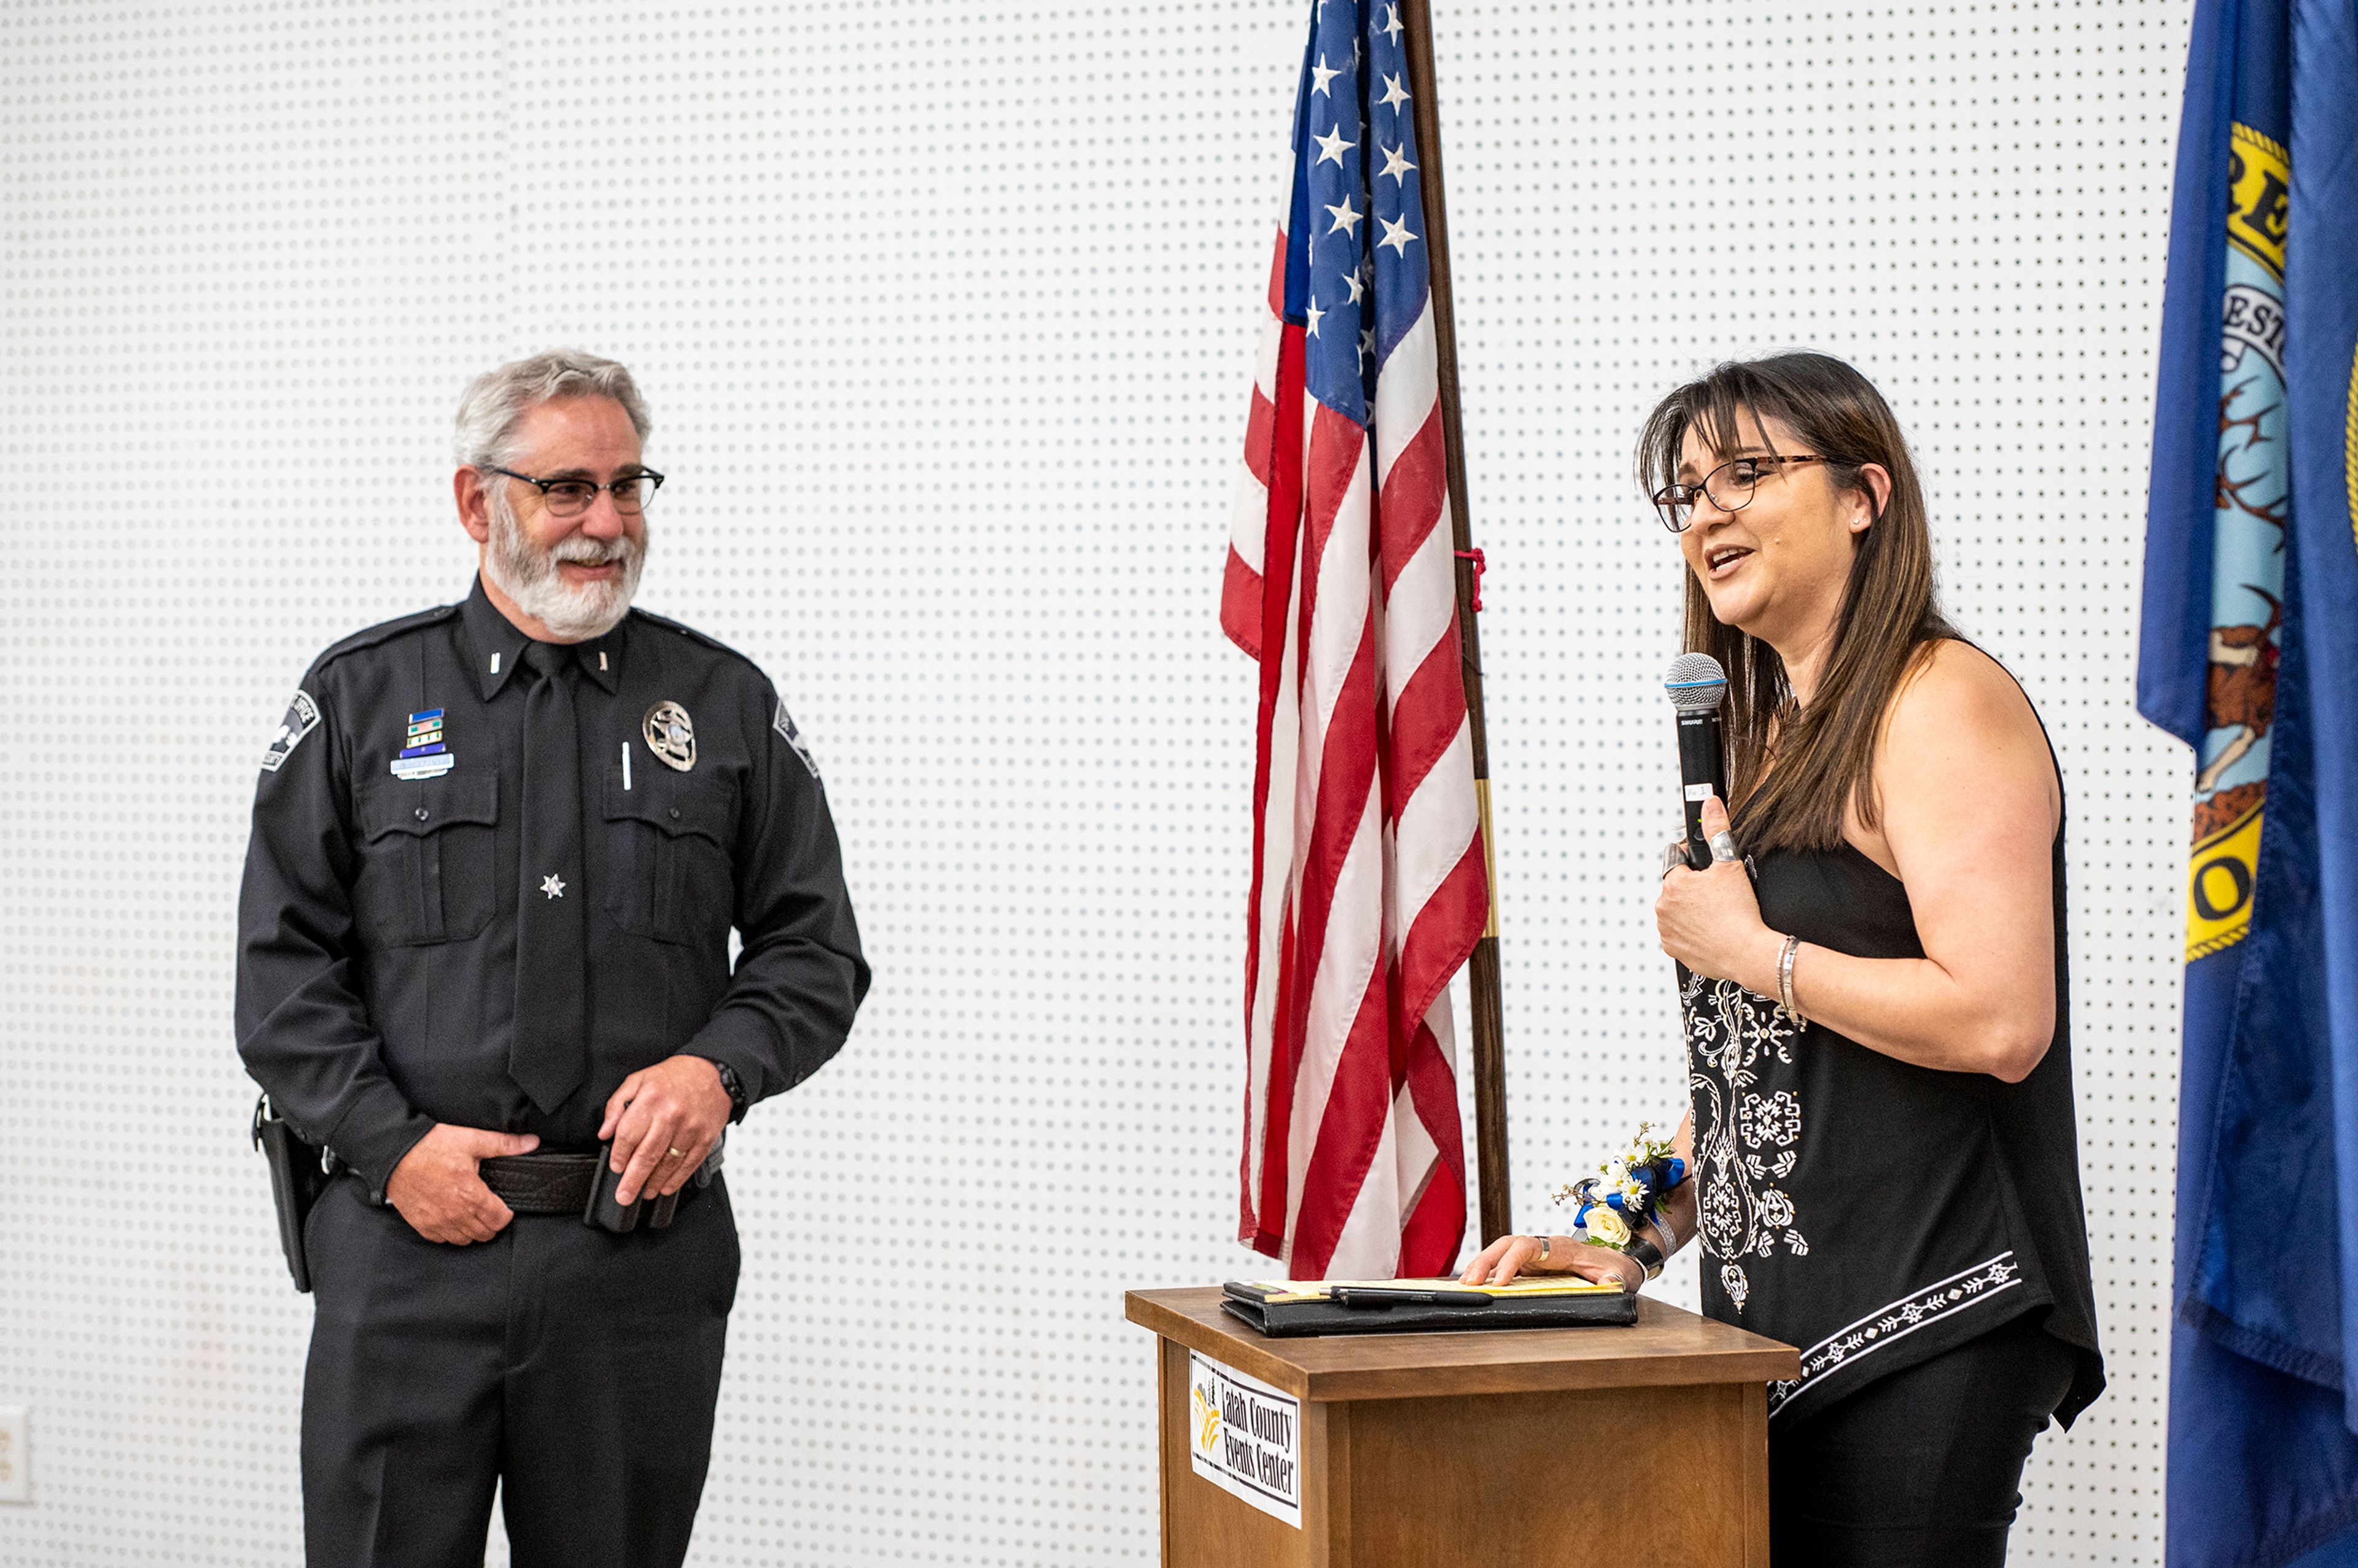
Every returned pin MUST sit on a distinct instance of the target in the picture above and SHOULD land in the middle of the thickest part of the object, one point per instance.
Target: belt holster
(299, 1172)
(604, 1213)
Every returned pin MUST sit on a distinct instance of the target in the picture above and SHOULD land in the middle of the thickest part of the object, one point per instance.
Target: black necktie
(549, 1055)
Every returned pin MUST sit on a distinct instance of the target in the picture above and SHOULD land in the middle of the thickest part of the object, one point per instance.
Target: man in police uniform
(498, 850)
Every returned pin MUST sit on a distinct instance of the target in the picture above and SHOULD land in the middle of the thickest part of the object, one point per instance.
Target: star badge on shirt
(553, 885)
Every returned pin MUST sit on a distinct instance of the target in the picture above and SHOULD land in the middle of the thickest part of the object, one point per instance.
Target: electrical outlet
(15, 1454)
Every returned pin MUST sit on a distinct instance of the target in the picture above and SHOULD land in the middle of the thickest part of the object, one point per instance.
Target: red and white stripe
(1368, 891)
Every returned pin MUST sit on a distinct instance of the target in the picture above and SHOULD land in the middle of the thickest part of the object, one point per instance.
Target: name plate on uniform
(1244, 1437)
(424, 767)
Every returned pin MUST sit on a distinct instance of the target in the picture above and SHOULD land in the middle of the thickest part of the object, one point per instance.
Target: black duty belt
(584, 1184)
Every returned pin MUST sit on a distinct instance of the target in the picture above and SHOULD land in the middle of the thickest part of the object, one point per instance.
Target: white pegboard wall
(946, 312)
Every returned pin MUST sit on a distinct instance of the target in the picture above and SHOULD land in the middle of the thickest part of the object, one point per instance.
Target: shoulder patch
(387, 631)
(302, 717)
(785, 725)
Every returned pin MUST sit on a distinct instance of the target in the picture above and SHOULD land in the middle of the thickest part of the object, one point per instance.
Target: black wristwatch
(729, 1081)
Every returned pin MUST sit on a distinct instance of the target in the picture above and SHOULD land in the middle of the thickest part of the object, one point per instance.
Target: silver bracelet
(1660, 1226)
(1785, 979)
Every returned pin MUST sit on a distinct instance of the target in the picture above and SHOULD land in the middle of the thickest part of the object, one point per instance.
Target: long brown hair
(1823, 755)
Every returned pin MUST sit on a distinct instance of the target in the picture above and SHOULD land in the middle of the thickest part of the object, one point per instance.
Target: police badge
(302, 717)
(670, 735)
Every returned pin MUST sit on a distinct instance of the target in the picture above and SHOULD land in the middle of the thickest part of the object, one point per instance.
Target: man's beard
(529, 576)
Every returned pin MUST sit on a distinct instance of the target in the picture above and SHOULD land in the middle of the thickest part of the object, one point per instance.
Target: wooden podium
(1419, 1450)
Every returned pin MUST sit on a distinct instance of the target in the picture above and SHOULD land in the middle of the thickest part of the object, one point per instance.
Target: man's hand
(438, 1189)
(665, 1121)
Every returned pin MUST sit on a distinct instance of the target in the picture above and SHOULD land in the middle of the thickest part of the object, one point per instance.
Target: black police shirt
(376, 979)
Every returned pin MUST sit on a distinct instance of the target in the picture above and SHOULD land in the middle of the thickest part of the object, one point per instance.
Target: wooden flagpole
(1482, 970)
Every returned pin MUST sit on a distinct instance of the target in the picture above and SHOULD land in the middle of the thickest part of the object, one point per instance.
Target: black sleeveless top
(1871, 1212)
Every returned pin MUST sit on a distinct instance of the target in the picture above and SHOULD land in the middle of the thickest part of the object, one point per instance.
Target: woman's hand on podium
(1512, 1255)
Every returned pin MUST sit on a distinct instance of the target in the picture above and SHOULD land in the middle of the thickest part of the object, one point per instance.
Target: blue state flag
(2249, 651)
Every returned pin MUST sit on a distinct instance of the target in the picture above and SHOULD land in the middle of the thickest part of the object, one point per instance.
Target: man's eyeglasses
(1729, 486)
(572, 497)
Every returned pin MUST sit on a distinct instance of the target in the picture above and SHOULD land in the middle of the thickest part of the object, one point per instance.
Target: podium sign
(1246, 1437)
(1399, 1450)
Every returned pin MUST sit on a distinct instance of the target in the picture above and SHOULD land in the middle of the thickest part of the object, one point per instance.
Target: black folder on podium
(1284, 1309)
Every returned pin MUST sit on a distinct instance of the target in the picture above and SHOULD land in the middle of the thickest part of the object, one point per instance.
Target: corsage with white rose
(1617, 1206)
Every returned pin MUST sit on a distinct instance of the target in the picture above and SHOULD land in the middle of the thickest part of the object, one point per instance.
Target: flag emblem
(2247, 561)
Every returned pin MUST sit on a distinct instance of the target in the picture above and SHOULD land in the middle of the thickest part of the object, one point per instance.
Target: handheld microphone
(1697, 686)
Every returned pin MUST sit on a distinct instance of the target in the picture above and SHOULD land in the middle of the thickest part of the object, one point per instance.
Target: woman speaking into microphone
(1883, 1165)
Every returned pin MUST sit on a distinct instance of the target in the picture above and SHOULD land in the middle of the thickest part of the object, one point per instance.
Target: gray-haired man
(498, 850)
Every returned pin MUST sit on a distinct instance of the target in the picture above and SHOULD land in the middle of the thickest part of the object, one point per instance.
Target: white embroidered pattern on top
(1744, 1141)
(1945, 1298)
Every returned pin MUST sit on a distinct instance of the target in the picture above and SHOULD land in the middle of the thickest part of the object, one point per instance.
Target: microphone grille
(1694, 682)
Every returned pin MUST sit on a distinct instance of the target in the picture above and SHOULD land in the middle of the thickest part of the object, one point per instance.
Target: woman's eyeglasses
(1729, 486)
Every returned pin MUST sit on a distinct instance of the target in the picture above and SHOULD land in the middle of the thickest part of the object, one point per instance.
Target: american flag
(1369, 889)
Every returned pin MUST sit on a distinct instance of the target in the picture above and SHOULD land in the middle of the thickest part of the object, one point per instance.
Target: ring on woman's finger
(1723, 846)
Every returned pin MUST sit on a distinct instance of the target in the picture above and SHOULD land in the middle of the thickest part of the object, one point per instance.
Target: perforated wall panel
(946, 312)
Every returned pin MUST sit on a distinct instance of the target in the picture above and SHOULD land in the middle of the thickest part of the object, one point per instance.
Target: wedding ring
(1723, 846)
(676, 1154)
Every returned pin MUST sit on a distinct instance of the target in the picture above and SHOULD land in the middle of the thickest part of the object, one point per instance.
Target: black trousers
(573, 1369)
(1921, 1469)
